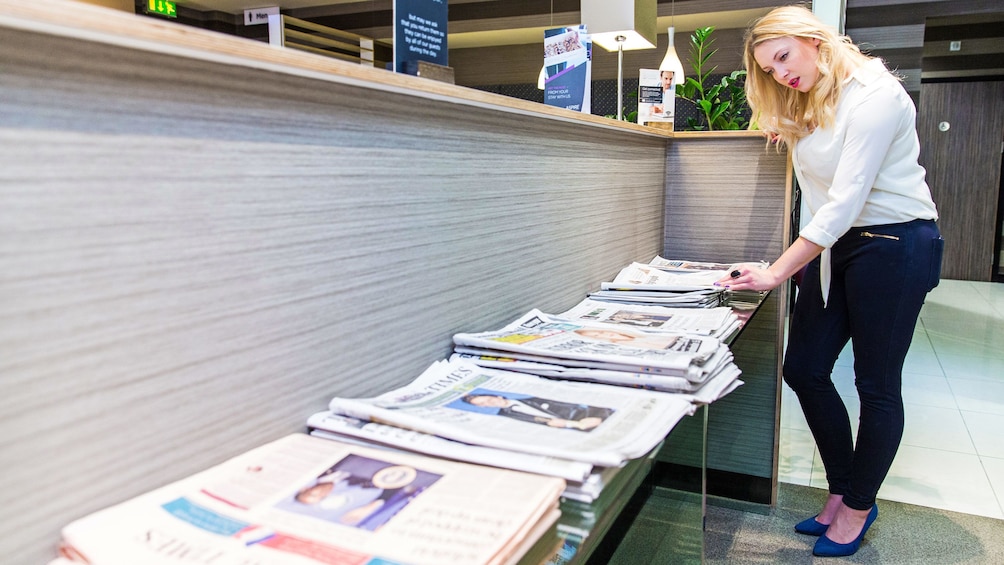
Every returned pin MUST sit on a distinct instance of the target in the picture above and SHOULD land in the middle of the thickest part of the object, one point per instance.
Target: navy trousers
(880, 276)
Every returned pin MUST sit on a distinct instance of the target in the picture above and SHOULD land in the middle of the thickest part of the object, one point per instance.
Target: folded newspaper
(302, 500)
(641, 276)
(596, 345)
(583, 481)
(383, 435)
(716, 322)
(598, 424)
(685, 266)
(722, 382)
(688, 299)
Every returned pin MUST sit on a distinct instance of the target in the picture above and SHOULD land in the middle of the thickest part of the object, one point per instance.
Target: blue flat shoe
(825, 547)
(811, 527)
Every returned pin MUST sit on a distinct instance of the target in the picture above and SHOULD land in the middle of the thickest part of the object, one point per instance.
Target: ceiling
(524, 29)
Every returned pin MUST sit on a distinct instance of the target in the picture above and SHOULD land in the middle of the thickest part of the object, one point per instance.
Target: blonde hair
(785, 112)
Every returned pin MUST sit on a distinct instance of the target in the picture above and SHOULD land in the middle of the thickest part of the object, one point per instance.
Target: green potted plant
(721, 106)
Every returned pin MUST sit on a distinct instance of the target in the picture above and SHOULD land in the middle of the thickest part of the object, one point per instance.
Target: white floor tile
(985, 429)
(923, 363)
(936, 428)
(994, 294)
(928, 390)
(952, 455)
(995, 472)
(818, 478)
(961, 346)
(846, 357)
(792, 417)
(978, 396)
(795, 457)
(941, 479)
(984, 327)
(968, 366)
(843, 380)
(920, 343)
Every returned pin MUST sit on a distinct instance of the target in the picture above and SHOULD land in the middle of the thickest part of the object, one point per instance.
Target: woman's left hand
(748, 276)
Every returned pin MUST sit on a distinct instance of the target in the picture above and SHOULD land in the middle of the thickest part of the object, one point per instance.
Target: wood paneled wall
(894, 30)
(963, 162)
(197, 254)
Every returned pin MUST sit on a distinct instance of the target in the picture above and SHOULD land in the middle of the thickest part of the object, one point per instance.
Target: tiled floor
(952, 454)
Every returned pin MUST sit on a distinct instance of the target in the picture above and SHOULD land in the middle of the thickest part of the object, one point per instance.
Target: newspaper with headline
(302, 500)
(599, 345)
(594, 423)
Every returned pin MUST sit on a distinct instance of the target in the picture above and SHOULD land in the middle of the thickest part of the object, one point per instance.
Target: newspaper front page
(303, 500)
(598, 424)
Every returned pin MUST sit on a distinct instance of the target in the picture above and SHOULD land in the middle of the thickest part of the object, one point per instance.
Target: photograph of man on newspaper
(526, 408)
(360, 492)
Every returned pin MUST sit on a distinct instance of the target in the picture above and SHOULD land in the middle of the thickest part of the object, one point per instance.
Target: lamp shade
(634, 20)
(671, 62)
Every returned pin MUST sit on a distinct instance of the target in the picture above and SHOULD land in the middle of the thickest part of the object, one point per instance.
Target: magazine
(598, 424)
(599, 346)
(303, 500)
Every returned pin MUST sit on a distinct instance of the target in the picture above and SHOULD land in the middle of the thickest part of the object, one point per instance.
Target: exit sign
(162, 7)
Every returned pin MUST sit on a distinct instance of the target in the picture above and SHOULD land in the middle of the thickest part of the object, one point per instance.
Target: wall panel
(198, 255)
(728, 214)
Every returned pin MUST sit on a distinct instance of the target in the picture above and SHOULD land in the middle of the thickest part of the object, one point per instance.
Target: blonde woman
(869, 255)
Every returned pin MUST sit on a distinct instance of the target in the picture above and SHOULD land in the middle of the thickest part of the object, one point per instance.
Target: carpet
(902, 534)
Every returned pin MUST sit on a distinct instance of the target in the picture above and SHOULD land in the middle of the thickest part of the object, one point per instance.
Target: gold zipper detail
(882, 235)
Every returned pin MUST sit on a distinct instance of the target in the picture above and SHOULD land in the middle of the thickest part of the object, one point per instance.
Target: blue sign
(420, 32)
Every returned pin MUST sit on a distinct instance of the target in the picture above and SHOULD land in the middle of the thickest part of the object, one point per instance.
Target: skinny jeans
(880, 277)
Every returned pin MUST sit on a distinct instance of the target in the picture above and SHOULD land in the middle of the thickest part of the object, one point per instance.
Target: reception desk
(205, 238)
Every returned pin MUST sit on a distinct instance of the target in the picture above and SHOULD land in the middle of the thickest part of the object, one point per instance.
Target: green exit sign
(162, 7)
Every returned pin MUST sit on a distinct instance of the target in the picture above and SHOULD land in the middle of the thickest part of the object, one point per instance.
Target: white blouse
(862, 170)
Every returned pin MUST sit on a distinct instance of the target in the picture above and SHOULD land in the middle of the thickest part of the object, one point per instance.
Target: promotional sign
(656, 96)
(568, 68)
(420, 32)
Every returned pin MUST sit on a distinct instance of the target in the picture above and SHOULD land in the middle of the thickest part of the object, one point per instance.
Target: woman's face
(791, 61)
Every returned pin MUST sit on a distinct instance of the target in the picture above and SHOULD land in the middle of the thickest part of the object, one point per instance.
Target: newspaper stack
(656, 283)
(601, 425)
(302, 500)
(699, 368)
